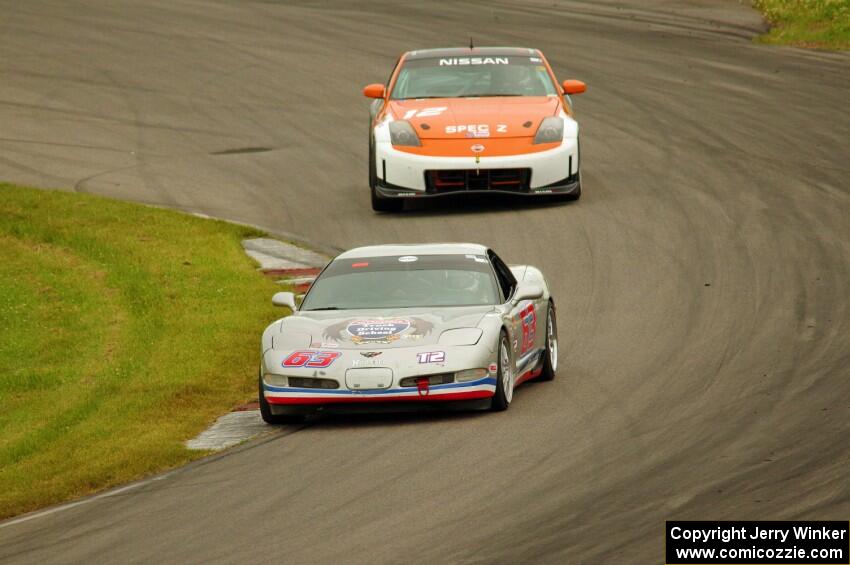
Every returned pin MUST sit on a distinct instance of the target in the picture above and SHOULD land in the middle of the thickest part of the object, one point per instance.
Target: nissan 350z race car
(488, 119)
(408, 326)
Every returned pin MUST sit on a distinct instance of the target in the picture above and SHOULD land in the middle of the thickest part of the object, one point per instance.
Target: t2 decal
(312, 359)
(432, 357)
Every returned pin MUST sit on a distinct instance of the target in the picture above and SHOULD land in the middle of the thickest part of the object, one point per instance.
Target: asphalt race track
(702, 281)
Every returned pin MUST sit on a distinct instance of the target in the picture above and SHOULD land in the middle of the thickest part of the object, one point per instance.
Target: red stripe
(528, 375)
(471, 395)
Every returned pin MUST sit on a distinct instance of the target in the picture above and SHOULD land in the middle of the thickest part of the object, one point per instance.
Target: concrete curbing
(290, 265)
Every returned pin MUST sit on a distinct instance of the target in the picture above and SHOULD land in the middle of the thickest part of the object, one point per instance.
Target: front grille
(513, 180)
(310, 382)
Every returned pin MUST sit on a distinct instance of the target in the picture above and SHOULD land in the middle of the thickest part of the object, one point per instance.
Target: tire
(385, 204)
(379, 204)
(575, 195)
(504, 378)
(550, 352)
(275, 419)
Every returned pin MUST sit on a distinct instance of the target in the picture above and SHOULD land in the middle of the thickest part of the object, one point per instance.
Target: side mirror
(528, 292)
(574, 87)
(285, 299)
(374, 91)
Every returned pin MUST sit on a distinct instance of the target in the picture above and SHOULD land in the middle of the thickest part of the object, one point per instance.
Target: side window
(507, 282)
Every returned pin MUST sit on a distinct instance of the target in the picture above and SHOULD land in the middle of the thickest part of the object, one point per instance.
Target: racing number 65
(313, 359)
(529, 326)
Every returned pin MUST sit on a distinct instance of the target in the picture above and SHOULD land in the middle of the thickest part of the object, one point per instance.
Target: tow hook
(422, 386)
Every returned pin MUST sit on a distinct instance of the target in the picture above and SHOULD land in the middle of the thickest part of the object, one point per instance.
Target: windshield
(458, 77)
(405, 281)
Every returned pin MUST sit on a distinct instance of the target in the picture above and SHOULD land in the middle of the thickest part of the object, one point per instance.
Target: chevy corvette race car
(401, 326)
(489, 119)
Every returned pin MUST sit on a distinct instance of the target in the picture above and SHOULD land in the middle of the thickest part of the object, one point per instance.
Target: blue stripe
(484, 381)
(523, 361)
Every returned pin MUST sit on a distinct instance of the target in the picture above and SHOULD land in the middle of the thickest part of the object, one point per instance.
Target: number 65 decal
(529, 327)
(313, 359)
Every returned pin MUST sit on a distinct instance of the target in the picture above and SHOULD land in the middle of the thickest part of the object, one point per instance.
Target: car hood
(459, 118)
(378, 329)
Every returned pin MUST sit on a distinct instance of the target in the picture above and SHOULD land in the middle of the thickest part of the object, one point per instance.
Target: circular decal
(377, 331)
(477, 148)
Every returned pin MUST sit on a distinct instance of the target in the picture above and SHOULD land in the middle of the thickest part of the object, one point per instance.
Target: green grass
(124, 330)
(819, 24)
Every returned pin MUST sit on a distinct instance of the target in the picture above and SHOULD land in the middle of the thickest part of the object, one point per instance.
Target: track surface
(708, 161)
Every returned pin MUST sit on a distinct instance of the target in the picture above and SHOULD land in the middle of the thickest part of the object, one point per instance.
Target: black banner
(759, 543)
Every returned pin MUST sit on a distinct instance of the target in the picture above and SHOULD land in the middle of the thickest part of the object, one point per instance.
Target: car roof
(473, 52)
(391, 250)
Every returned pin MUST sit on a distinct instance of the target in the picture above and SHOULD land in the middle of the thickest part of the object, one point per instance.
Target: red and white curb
(290, 265)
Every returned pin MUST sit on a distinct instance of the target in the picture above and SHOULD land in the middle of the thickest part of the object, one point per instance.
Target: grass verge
(124, 330)
(818, 24)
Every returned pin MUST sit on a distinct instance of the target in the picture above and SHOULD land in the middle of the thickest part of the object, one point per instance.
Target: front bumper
(290, 396)
(405, 175)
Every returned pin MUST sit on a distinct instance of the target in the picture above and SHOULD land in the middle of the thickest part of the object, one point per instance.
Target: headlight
(551, 129)
(402, 133)
(470, 375)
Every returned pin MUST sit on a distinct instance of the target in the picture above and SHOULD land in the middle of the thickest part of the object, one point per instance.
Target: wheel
(275, 419)
(550, 353)
(379, 204)
(504, 378)
(385, 204)
(575, 195)
(577, 192)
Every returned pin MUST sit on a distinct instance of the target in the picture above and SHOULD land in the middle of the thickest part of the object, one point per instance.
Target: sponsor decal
(475, 130)
(535, 59)
(408, 259)
(452, 61)
(477, 148)
(471, 130)
(312, 359)
(370, 353)
(367, 363)
(477, 258)
(493, 368)
(378, 330)
(431, 357)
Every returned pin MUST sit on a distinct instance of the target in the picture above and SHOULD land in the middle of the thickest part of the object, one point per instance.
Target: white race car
(400, 326)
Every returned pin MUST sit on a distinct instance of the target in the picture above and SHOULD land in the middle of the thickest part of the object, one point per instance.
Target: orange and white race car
(486, 119)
